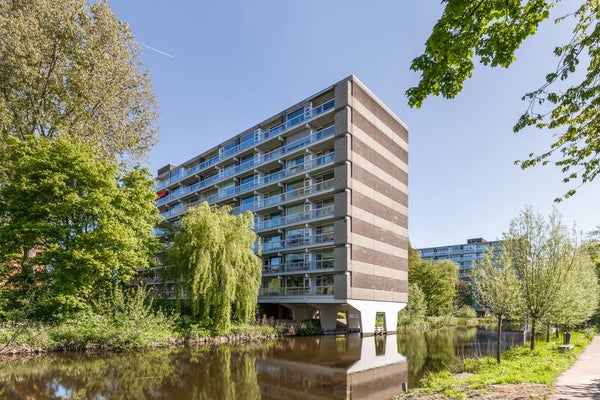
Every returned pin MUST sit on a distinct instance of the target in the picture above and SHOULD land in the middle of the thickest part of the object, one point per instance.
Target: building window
(290, 187)
(296, 261)
(324, 259)
(295, 237)
(324, 233)
(296, 116)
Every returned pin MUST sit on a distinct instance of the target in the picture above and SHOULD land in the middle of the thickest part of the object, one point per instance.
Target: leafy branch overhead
(491, 31)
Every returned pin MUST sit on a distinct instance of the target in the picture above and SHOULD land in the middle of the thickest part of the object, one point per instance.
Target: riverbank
(38, 338)
(523, 374)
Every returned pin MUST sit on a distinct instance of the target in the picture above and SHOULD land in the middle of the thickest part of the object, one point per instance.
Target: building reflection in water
(332, 367)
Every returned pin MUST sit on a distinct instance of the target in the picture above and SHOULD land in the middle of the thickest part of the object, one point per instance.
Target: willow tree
(497, 289)
(490, 32)
(71, 69)
(214, 265)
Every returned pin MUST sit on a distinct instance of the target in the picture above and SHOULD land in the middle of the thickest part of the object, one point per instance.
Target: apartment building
(465, 255)
(327, 182)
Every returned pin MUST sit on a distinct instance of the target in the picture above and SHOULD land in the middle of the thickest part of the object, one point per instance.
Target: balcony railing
(177, 193)
(298, 266)
(323, 238)
(279, 198)
(279, 129)
(294, 218)
(297, 291)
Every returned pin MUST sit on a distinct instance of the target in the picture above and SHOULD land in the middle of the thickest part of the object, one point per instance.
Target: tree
(579, 300)
(438, 282)
(417, 304)
(72, 222)
(464, 295)
(71, 69)
(497, 288)
(492, 31)
(214, 264)
(544, 256)
(591, 247)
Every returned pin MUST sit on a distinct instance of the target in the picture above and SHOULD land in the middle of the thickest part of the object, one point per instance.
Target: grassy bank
(429, 322)
(125, 321)
(101, 334)
(519, 365)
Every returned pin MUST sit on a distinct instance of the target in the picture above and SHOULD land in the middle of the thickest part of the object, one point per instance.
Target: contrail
(156, 50)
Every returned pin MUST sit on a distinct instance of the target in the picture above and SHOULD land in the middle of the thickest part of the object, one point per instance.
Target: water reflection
(438, 349)
(330, 367)
(327, 367)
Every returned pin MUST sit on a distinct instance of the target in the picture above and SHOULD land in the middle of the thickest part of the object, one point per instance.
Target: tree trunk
(498, 341)
(547, 331)
(532, 343)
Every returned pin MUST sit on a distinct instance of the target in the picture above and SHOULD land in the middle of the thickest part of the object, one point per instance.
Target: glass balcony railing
(323, 238)
(295, 194)
(247, 165)
(297, 291)
(291, 195)
(295, 218)
(298, 266)
(183, 172)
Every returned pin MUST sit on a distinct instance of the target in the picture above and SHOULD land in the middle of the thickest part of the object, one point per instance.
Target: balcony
(291, 195)
(295, 218)
(298, 266)
(297, 291)
(256, 161)
(277, 130)
(292, 243)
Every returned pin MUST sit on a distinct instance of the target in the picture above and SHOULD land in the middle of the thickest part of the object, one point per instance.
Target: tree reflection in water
(327, 367)
(438, 349)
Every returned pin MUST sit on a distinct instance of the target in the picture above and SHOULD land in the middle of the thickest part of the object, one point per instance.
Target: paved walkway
(582, 380)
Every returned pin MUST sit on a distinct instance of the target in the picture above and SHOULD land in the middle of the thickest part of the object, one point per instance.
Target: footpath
(582, 380)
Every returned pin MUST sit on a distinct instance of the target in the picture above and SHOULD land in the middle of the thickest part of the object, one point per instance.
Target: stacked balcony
(261, 174)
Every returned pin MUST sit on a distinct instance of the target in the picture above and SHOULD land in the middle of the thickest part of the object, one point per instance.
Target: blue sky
(232, 64)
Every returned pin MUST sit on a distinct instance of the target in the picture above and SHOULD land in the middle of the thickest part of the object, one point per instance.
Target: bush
(465, 312)
(123, 320)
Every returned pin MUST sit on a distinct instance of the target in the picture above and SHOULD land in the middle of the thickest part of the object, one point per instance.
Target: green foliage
(438, 282)
(548, 264)
(519, 365)
(492, 31)
(121, 320)
(215, 266)
(489, 30)
(72, 223)
(71, 69)
(497, 285)
(465, 312)
(464, 294)
(417, 304)
(497, 288)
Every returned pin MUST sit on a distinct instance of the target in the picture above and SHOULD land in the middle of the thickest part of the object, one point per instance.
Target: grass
(123, 320)
(519, 365)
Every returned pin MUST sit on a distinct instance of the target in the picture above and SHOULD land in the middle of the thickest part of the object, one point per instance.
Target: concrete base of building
(360, 314)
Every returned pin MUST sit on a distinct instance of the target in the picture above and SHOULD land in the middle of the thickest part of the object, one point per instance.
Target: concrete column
(328, 315)
(299, 311)
(353, 318)
(368, 311)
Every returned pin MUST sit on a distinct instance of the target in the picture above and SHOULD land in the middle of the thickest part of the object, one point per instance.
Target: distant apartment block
(327, 182)
(462, 254)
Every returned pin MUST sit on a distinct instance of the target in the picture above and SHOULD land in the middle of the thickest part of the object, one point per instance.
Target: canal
(316, 367)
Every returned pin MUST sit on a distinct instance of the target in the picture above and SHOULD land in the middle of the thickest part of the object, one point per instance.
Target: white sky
(220, 67)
